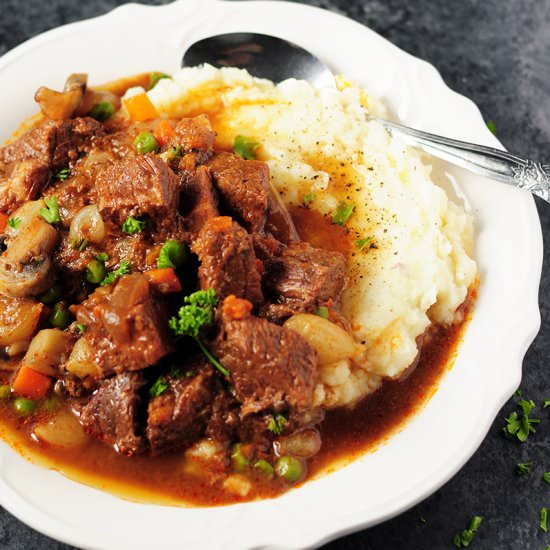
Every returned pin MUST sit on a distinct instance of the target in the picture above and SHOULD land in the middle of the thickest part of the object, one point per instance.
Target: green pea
(172, 254)
(24, 406)
(95, 271)
(60, 316)
(102, 111)
(322, 311)
(5, 391)
(146, 143)
(52, 295)
(289, 468)
(265, 467)
(240, 462)
(50, 404)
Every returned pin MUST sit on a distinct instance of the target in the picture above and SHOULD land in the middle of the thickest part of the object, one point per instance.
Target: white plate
(435, 443)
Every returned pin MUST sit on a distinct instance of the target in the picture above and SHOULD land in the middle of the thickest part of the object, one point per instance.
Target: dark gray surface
(497, 53)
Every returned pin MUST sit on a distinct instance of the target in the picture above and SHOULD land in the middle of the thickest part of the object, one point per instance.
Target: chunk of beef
(178, 417)
(199, 201)
(112, 413)
(224, 419)
(279, 221)
(195, 136)
(301, 279)
(272, 368)
(140, 186)
(27, 164)
(228, 263)
(125, 325)
(244, 187)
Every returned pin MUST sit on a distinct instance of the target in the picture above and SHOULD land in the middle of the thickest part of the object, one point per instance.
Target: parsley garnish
(544, 519)
(133, 225)
(80, 244)
(102, 257)
(245, 147)
(546, 477)
(159, 387)
(51, 212)
(322, 311)
(546, 403)
(523, 468)
(81, 327)
(362, 243)
(521, 427)
(195, 314)
(308, 198)
(492, 127)
(462, 540)
(14, 222)
(171, 153)
(63, 174)
(155, 77)
(343, 213)
(277, 424)
(113, 275)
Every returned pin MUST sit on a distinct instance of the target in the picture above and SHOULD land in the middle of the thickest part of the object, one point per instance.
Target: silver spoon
(276, 59)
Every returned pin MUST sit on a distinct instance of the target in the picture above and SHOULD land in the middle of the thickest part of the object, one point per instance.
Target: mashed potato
(416, 266)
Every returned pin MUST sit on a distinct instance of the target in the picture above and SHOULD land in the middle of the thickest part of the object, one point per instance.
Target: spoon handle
(486, 161)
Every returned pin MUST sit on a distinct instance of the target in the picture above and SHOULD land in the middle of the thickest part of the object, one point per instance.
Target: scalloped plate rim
(529, 319)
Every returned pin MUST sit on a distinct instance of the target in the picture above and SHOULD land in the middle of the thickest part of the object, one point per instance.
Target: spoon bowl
(261, 55)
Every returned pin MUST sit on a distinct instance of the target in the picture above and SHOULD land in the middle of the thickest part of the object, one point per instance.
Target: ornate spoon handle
(486, 161)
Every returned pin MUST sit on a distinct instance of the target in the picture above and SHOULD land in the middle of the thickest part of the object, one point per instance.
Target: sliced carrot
(236, 308)
(140, 108)
(3, 221)
(163, 132)
(30, 383)
(164, 280)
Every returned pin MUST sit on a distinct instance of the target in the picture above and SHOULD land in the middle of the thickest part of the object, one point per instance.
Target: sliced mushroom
(26, 266)
(62, 105)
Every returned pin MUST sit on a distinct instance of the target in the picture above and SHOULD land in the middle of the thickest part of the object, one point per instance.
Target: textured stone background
(496, 52)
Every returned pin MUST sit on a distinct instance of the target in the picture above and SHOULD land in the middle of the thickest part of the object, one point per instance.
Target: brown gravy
(346, 433)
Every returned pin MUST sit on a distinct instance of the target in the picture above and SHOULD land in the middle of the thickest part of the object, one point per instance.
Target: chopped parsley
(545, 404)
(360, 244)
(544, 519)
(423, 519)
(111, 277)
(196, 313)
(51, 212)
(14, 222)
(133, 225)
(159, 387)
(492, 127)
(80, 244)
(523, 468)
(171, 153)
(154, 79)
(63, 174)
(245, 147)
(546, 477)
(343, 213)
(462, 540)
(102, 257)
(308, 198)
(172, 254)
(521, 427)
(322, 311)
(81, 327)
(277, 424)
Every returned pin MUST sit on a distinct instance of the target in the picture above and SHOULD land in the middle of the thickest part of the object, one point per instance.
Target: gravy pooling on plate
(167, 309)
